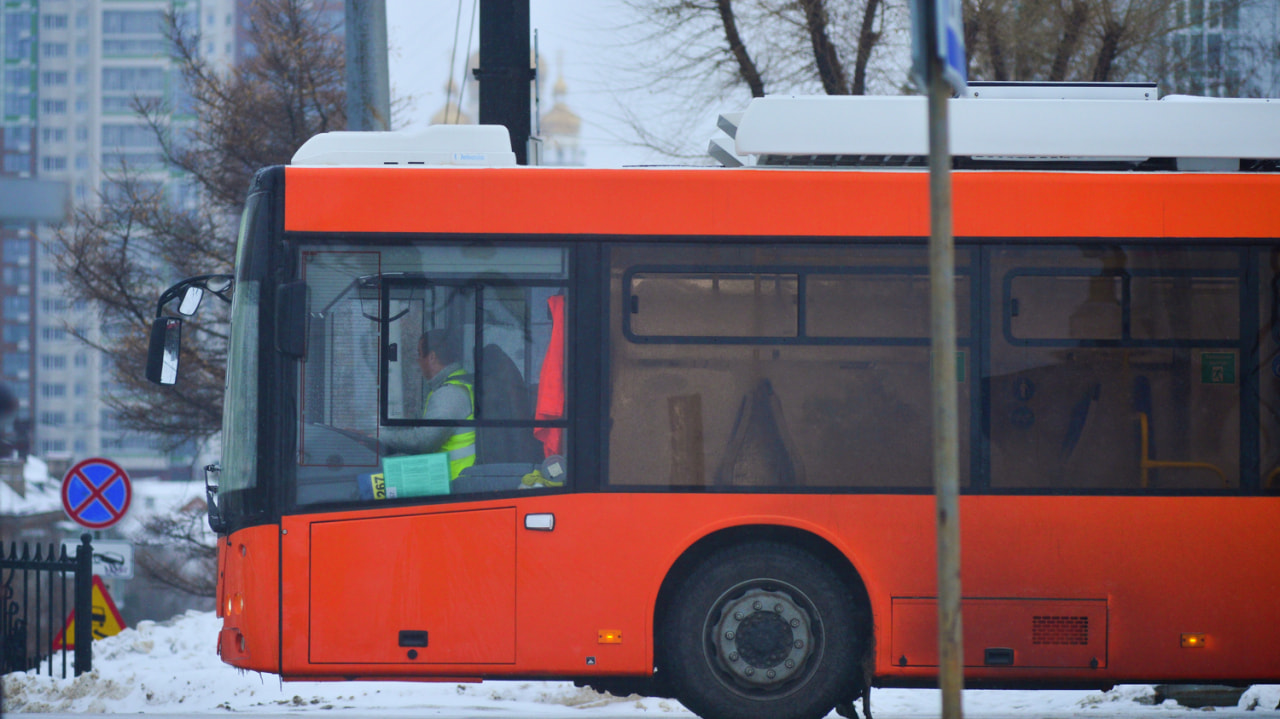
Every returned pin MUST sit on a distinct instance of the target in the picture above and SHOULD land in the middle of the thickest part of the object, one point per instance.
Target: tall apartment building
(71, 72)
(18, 102)
(72, 69)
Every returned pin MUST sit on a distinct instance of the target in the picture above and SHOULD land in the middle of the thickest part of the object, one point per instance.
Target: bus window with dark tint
(1115, 368)
(433, 370)
(1064, 305)
(875, 302)
(821, 380)
(1184, 307)
(730, 304)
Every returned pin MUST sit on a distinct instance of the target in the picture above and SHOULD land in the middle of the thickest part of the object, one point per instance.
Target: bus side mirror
(162, 354)
(190, 301)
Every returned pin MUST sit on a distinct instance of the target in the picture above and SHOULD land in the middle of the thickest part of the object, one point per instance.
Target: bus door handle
(545, 522)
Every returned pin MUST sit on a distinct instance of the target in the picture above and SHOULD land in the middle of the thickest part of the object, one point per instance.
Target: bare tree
(119, 253)
(1081, 40)
(690, 57)
(718, 53)
(179, 551)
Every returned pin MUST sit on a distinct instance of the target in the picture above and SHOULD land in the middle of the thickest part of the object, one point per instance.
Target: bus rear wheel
(760, 631)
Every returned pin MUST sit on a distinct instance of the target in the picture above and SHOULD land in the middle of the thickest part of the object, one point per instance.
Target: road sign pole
(939, 65)
(946, 444)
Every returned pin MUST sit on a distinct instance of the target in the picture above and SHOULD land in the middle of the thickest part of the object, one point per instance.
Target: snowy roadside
(172, 667)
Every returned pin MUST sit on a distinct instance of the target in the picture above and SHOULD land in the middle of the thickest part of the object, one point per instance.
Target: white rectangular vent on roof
(1018, 90)
(435, 145)
(1175, 127)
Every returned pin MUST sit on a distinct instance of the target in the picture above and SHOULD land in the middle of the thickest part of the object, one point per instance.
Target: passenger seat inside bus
(1146, 447)
(503, 395)
(760, 450)
(504, 455)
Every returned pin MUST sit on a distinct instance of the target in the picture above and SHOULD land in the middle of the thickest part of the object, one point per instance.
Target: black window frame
(384, 352)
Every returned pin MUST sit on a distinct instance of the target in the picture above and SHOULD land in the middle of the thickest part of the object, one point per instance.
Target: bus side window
(1096, 378)
(364, 388)
(774, 368)
(338, 378)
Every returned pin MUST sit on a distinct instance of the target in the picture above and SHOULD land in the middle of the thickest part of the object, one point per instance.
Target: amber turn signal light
(610, 636)
(1192, 641)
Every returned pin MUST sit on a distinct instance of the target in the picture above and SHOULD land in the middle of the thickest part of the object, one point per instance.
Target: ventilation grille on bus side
(1059, 630)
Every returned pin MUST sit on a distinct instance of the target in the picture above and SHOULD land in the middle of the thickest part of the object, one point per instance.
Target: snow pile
(172, 667)
(1261, 698)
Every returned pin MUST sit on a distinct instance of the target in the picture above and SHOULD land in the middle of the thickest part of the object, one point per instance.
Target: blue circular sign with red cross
(96, 493)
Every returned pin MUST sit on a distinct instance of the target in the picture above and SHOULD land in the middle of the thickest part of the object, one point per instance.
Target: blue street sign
(96, 493)
(946, 42)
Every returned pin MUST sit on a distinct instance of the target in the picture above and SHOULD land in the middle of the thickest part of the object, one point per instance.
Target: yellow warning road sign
(104, 618)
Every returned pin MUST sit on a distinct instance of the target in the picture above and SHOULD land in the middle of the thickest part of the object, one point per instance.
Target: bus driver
(450, 394)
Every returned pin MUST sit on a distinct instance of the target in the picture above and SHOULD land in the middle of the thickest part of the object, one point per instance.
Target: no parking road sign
(96, 493)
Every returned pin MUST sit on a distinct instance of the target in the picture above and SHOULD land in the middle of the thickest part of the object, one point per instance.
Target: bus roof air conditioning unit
(1177, 132)
(435, 145)
(1025, 90)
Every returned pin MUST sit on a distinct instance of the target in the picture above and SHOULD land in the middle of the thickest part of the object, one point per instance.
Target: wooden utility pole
(946, 440)
(939, 65)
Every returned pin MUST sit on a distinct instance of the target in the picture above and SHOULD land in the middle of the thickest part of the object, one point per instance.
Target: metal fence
(35, 603)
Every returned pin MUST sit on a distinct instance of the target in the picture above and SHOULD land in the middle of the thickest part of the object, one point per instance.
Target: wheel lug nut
(729, 636)
(790, 664)
(757, 606)
(777, 608)
(739, 616)
(771, 674)
(733, 656)
(749, 671)
(795, 622)
(799, 644)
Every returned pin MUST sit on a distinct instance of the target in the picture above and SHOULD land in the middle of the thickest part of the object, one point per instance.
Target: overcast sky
(581, 39)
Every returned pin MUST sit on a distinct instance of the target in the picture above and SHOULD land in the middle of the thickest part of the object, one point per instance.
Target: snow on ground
(171, 667)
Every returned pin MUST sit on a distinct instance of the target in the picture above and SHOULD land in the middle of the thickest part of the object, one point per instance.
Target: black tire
(762, 631)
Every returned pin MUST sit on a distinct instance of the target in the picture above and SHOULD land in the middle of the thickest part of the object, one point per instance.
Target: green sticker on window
(1217, 368)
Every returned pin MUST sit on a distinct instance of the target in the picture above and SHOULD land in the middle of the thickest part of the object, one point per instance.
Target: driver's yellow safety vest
(461, 447)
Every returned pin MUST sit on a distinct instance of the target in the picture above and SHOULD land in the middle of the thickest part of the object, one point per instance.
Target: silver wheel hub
(763, 638)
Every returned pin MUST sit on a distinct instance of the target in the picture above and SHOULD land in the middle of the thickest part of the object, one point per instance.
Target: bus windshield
(240, 412)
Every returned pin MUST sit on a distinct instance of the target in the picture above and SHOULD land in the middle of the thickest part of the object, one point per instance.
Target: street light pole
(368, 86)
(505, 71)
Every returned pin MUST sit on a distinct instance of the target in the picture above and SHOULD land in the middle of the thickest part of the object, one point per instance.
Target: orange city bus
(701, 407)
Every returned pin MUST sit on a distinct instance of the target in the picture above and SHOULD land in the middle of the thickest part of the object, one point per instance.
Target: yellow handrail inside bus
(1271, 478)
(1147, 463)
